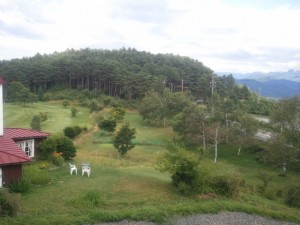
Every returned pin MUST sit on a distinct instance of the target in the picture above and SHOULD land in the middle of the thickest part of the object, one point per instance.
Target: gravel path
(224, 218)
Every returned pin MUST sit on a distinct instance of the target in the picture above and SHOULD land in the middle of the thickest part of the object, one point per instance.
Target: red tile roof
(10, 152)
(21, 133)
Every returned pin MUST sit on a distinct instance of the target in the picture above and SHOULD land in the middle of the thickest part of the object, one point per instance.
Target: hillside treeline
(124, 73)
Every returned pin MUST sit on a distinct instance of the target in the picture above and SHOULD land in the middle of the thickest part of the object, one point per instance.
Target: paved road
(224, 218)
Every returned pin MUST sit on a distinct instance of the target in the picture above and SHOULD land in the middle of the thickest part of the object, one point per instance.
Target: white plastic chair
(86, 169)
(73, 168)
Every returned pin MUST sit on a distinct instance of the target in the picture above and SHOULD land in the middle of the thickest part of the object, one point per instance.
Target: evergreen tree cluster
(124, 73)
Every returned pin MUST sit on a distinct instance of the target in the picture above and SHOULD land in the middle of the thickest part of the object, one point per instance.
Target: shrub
(227, 185)
(43, 116)
(65, 103)
(20, 186)
(59, 143)
(118, 113)
(44, 166)
(265, 178)
(270, 193)
(108, 125)
(293, 196)
(66, 147)
(74, 111)
(47, 147)
(191, 175)
(9, 203)
(69, 132)
(93, 106)
(106, 101)
(183, 168)
(36, 122)
(57, 159)
(72, 132)
(77, 129)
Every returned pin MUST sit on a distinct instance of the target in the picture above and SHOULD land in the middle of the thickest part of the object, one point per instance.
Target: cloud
(224, 34)
(147, 11)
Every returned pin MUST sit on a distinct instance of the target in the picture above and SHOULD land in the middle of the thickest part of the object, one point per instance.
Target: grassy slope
(129, 188)
(58, 116)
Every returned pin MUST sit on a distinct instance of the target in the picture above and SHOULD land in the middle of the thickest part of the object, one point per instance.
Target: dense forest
(124, 73)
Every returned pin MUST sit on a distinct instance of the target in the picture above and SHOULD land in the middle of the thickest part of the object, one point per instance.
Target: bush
(69, 132)
(66, 147)
(57, 143)
(93, 106)
(227, 185)
(47, 147)
(265, 178)
(106, 101)
(43, 116)
(9, 203)
(183, 168)
(74, 111)
(72, 132)
(270, 193)
(293, 197)
(44, 166)
(65, 103)
(118, 113)
(108, 125)
(57, 159)
(36, 122)
(191, 175)
(77, 129)
(20, 186)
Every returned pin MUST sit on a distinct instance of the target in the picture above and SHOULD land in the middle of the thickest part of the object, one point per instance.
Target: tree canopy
(123, 139)
(124, 73)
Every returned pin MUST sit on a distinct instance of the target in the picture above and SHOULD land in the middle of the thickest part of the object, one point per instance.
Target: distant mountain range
(273, 84)
(272, 88)
(292, 75)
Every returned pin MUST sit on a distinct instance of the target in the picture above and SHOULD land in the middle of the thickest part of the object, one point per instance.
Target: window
(27, 146)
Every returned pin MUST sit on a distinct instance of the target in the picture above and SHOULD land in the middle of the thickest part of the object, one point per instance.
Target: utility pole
(181, 85)
(213, 84)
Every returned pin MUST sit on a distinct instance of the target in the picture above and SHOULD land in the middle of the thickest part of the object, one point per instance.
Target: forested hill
(125, 73)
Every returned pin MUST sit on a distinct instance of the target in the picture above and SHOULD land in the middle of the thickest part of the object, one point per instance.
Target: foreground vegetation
(132, 187)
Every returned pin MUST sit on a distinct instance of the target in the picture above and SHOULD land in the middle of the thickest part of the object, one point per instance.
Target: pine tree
(123, 139)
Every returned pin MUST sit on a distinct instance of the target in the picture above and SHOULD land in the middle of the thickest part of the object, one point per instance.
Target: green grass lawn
(129, 188)
(58, 116)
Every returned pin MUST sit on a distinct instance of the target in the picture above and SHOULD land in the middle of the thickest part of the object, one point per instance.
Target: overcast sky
(226, 35)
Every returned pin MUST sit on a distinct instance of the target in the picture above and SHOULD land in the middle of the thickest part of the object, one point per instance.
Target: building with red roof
(17, 146)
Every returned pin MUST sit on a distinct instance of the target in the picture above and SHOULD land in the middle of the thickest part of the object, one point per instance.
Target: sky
(237, 36)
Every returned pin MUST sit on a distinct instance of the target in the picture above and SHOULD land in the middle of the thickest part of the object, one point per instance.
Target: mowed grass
(130, 187)
(58, 116)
